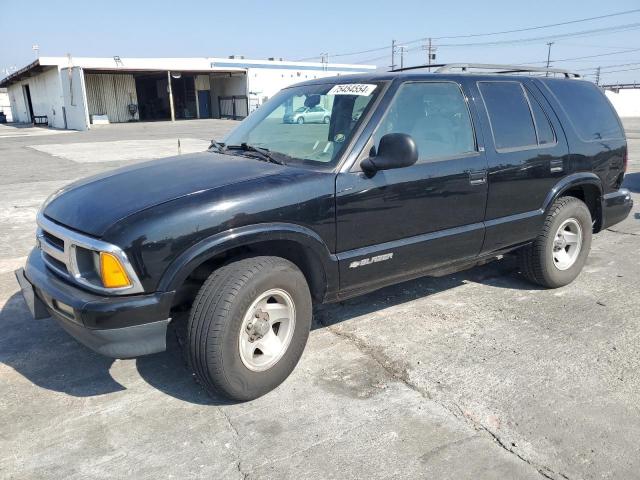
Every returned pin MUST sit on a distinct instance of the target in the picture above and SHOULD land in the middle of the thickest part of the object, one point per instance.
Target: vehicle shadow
(43, 353)
(632, 182)
(499, 274)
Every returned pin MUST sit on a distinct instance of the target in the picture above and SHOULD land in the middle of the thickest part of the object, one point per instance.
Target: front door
(401, 222)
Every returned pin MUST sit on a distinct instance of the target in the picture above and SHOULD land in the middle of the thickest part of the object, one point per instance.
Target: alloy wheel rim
(266, 330)
(567, 244)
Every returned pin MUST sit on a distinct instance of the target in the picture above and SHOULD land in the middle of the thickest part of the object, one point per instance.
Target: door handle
(478, 177)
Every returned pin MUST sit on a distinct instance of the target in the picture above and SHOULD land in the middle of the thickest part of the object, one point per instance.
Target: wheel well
(307, 261)
(590, 195)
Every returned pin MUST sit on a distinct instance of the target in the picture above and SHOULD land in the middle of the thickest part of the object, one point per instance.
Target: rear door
(526, 151)
(403, 221)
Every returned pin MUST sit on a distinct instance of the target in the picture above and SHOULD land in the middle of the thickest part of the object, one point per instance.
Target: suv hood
(94, 204)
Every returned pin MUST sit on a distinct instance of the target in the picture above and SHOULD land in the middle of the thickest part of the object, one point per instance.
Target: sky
(296, 29)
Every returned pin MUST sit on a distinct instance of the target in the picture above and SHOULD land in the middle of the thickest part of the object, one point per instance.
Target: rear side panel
(594, 132)
(519, 178)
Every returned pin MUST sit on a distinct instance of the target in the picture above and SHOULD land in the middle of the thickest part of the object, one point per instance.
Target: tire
(542, 262)
(218, 328)
(326, 120)
(300, 121)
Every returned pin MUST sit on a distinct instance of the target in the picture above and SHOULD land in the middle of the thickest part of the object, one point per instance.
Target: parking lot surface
(476, 375)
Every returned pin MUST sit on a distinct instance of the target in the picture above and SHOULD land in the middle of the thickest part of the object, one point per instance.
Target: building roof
(182, 64)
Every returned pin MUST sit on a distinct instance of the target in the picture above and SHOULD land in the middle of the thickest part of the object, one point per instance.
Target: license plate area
(36, 306)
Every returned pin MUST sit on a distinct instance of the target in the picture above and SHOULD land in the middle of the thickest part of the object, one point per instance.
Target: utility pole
(598, 76)
(393, 54)
(324, 59)
(402, 49)
(431, 55)
(548, 57)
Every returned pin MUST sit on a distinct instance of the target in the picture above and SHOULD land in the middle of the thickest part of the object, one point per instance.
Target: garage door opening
(147, 95)
(153, 96)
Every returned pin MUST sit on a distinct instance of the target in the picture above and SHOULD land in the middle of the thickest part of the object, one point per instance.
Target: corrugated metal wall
(110, 94)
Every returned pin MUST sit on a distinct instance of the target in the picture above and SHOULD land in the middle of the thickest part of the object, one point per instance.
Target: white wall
(626, 101)
(74, 96)
(46, 98)
(5, 106)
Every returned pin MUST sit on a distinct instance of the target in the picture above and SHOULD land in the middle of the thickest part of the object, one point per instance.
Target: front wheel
(326, 120)
(248, 327)
(557, 255)
(300, 120)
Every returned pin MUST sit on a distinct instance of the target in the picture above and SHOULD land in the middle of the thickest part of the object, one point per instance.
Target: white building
(76, 92)
(5, 105)
(625, 99)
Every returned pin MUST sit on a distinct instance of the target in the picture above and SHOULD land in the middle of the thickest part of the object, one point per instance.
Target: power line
(583, 57)
(596, 31)
(607, 66)
(592, 32)
(537, 27)
(624, 70)
(626, 12)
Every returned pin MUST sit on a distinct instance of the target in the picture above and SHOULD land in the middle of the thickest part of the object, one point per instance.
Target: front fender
(185, 263)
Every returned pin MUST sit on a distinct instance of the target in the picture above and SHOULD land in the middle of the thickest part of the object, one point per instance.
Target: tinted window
(435, 115)
(588, 109)
(509, 113)
(543, 126)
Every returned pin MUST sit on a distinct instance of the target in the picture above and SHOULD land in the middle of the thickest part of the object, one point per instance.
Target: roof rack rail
(493, 68)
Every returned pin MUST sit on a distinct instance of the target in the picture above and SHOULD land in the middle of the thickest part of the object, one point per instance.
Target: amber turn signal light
(112, 272)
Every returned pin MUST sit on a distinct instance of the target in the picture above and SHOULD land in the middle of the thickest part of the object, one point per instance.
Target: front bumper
(115, 326)
(615, 207)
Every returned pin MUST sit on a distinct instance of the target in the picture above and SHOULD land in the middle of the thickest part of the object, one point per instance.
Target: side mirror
(396, 150)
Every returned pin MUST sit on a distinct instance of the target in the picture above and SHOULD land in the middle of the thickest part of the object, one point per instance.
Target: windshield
(309, 124)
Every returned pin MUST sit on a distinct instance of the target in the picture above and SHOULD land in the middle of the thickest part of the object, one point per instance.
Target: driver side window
(436, 116)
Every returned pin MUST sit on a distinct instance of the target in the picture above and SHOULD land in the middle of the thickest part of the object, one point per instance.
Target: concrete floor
(477, 375)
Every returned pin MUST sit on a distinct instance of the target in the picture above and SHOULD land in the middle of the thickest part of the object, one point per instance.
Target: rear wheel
(326, 120)
(557, 255)
(248, 327)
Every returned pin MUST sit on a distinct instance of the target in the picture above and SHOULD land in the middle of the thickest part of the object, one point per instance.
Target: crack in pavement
(402, 375)
(243, 474)
(620, 232)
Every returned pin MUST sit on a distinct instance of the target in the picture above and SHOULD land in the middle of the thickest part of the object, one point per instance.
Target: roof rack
(492, 68)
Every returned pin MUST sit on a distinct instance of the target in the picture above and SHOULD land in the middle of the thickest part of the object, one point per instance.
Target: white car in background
(305, 114)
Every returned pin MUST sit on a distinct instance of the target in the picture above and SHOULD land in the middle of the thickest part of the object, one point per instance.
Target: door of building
(27, 96)
(204, 103)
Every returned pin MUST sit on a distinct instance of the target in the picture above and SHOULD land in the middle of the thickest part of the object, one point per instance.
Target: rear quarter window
(509, 114)
(589, 111)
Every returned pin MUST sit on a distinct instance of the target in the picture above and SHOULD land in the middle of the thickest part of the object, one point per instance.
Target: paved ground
(477, 375)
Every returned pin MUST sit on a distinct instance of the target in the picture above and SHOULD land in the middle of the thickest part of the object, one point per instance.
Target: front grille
(55, 264)
(58, 242)
(72, 255)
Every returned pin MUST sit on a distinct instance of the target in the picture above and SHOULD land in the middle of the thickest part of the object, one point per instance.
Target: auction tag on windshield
(362, 89)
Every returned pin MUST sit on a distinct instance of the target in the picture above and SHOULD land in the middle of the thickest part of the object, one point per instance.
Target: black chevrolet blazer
(410, 175)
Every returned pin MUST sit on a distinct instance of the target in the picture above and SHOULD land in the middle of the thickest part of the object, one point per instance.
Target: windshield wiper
(220, 146)
(264, 153)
